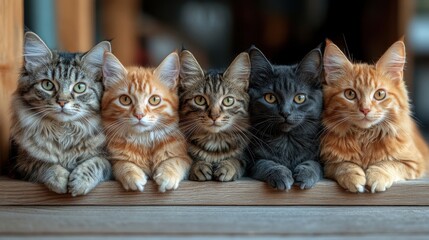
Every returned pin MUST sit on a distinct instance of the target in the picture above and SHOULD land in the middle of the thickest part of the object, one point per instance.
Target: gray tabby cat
(56, 114)
(214, 117)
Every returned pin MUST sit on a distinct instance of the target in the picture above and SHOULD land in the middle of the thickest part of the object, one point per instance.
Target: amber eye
(380, 94)
(270, 98)
(350, 94)
(154, 100)
(200, 100)
(79, 87)
(299, 98)
(228, 101)
(47, 85)
(125, 100)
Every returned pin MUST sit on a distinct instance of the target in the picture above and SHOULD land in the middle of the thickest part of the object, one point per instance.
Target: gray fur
(216, 154)
(60, 147)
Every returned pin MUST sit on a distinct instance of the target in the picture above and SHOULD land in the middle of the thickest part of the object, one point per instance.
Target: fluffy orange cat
(140, 117)
(370, 138)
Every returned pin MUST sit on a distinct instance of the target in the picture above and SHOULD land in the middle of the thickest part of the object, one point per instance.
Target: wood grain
(191, 220)
(245, 192)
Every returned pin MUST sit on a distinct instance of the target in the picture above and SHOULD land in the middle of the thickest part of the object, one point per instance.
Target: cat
(140, 117)
(214, 117)
(56, 118)
(370, 138)
(285, 113)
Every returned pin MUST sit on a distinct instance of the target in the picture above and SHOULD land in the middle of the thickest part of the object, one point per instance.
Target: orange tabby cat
(140, 117)
(370, 138)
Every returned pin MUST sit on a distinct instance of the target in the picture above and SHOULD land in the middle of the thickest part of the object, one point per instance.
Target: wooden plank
(214, 221)
(11, 31)
(76, 24)
(246, 192)
(221, 237)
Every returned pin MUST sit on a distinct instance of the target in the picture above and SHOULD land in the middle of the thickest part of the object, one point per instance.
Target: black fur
(285, 146)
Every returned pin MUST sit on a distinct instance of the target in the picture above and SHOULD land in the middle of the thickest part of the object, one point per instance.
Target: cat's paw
(59, 180)
(201, 171)
(305, 176)
(378, 180)
(81, 182)
(167, 180)
(134, 182)
(354, 182)
(225, 172)
(280, 178)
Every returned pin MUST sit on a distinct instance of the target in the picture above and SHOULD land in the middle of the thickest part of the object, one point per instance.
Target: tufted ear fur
(190, 70)
(335, 62)
(168, 71)
(113, 71)
(311, 66)
(393, 61)
(93, 59)
(238, 72)
(261, 68)
(36, 53)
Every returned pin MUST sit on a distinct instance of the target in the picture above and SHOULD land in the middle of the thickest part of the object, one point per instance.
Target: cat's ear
(190, 70)
(335, 62)
(36, 53)
(393, 60)
(238, 72)
(261, 68)
(311, 65)
(168, 71)
(113, 70)
(93, 59)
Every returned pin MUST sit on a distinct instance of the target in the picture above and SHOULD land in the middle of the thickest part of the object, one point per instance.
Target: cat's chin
(215, 128)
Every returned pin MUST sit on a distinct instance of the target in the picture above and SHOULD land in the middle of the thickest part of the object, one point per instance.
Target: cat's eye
(200, 100)
(299, 98)
(350, 94)
(228, 101)
(47, 85)
(380, 94)
(270, 98)
(154, 100)
(125, 100)
(79, 87)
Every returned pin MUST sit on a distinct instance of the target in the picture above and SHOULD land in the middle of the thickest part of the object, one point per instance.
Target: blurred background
(144, 32)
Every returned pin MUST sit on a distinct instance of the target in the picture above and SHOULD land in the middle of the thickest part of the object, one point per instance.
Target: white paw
(58, 182)
(166, 182)
(135, 182)
(81, 184)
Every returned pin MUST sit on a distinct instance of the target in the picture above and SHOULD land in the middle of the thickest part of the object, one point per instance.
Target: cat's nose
(214, 117)
(139, 116)
(62, 103)
(285, 115)
(365, 110)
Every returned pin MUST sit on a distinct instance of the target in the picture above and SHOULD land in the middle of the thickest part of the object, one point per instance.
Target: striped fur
(386, 147)
(60, 147)
(153, 146)
(217, 134)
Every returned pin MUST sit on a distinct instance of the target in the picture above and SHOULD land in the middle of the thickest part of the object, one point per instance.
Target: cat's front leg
(307, 174)
(54, 176)
(349, 175)
(171, 172)
(129, 175)
(228, 170)
(88, 174)
(276, 175)
(201, 171)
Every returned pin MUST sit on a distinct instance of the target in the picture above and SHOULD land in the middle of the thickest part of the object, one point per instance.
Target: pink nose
(365, 110)
(139, 116)
(62, 103)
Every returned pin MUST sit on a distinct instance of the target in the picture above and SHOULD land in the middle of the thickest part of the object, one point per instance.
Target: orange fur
(376, 152)
(137, 155)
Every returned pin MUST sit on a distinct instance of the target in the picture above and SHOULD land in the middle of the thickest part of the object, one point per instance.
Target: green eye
(47, 85)
(79, 87)
(125, 100)
(270, 98)
(228, 101)
(299, 98)
(200, 100)
(154, 100)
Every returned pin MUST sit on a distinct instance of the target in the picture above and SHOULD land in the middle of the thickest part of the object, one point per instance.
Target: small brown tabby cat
(140, 117)
(370, 138)
(214, 117)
